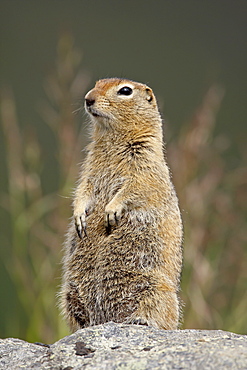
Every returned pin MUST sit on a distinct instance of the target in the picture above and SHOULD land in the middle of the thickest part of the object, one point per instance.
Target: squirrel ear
(149, 94)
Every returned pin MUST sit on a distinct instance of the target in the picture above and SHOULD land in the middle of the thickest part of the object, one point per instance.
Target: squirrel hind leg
(74, 309)
(161, 311)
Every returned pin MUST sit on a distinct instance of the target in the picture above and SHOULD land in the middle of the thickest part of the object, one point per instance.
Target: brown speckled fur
(125, 266)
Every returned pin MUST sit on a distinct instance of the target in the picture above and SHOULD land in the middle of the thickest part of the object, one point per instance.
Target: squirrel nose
(89, 102)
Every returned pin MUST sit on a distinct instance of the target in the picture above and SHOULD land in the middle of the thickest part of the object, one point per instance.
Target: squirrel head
(121, 104)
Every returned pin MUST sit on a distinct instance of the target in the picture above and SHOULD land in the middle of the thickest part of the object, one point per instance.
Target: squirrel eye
(126, 90)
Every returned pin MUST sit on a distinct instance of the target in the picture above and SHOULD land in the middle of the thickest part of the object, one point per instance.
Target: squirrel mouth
(96, 113)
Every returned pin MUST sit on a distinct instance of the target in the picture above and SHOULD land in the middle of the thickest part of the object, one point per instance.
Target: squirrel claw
(111, 219)
(80, 225)
(85, 230)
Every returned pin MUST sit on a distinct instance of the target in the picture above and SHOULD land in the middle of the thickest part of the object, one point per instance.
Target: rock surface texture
(119, 346)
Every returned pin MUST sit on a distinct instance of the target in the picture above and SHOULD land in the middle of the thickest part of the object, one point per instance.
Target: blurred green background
(194, 56)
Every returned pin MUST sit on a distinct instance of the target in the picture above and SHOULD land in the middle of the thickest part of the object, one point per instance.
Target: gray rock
(122, 347)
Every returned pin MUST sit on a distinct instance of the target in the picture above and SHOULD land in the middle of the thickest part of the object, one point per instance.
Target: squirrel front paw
(80, 214)
(113, 213)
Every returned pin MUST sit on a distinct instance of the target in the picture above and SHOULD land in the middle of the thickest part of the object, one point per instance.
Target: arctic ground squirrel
(123, 254)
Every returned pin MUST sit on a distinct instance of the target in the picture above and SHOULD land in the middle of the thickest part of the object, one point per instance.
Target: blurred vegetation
(212, 198)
